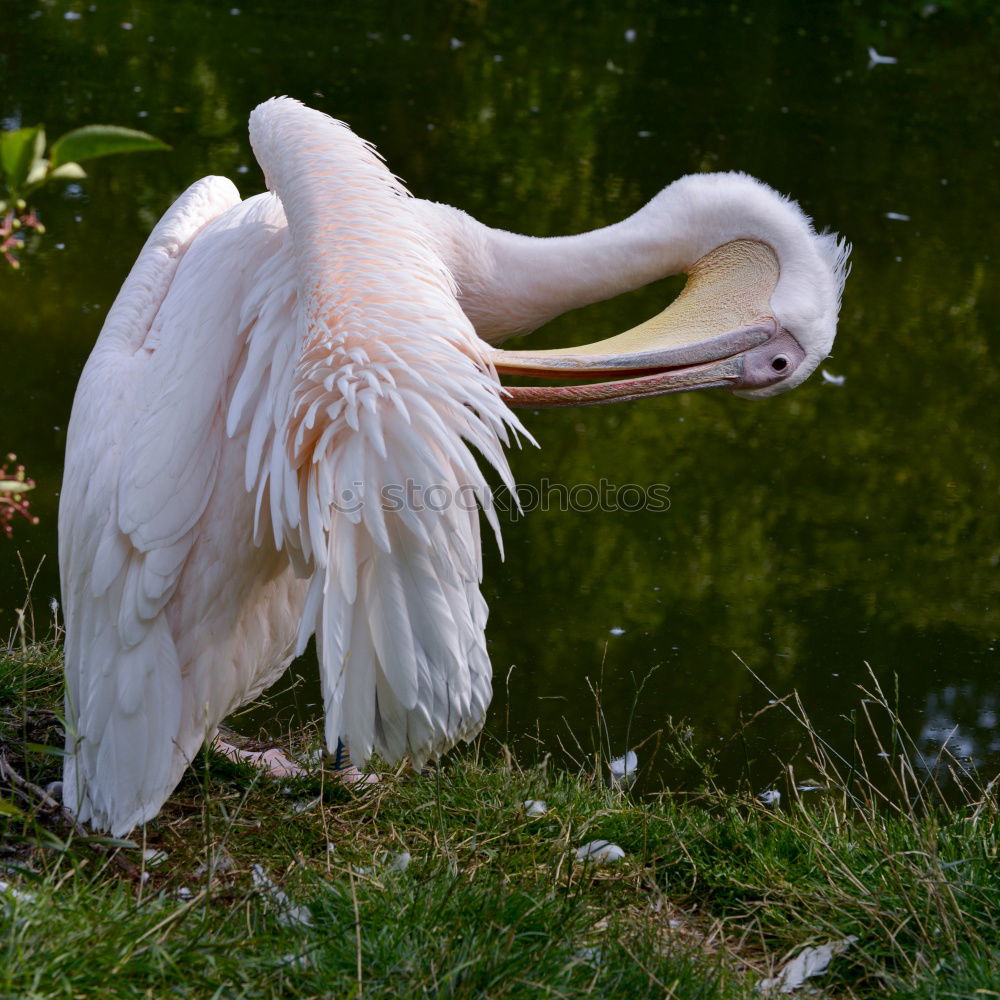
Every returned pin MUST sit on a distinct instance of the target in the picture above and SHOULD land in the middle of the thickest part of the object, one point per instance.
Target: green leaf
(67, 172)
(9, 809)
(39, 171)
(118, 842)
(14, 486)
(92, 141)
(19, 151)
(46, 749)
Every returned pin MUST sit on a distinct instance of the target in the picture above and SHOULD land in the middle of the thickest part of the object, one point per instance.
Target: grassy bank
(445, 884)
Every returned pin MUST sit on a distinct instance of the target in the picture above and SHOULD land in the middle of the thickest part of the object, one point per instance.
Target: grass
(715, 891)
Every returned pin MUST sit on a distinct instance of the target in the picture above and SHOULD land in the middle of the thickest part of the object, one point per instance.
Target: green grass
(714, 893)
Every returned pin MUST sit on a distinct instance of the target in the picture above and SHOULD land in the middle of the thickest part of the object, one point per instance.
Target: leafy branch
(25, 167)
(13, 487)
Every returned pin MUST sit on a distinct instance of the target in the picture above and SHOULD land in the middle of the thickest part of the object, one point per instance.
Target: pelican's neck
(511, 284)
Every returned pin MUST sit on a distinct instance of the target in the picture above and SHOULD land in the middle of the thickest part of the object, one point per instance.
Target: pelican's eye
(780, 363)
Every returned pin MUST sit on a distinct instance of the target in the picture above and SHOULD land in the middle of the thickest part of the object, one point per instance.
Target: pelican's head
(757, 316)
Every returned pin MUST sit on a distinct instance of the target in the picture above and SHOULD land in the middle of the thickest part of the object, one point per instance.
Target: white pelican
(272, 375)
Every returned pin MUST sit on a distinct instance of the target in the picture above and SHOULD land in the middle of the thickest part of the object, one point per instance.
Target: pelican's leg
(346, 771)
(277, 764)
(275, 761)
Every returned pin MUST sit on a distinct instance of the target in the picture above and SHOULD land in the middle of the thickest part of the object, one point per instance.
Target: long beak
(717, 334)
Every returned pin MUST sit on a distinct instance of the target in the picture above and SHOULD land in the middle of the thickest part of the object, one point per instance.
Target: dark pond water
(807, 536)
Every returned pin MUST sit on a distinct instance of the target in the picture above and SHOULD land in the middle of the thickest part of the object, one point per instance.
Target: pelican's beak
(718, 333)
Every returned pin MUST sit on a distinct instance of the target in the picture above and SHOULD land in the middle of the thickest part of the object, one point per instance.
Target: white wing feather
(389, 391)
(123, 676)
(261, 397)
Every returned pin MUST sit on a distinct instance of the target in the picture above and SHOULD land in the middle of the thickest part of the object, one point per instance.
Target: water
(807, 536)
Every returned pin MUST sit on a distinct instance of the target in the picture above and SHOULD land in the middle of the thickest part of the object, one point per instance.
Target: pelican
(275, 372)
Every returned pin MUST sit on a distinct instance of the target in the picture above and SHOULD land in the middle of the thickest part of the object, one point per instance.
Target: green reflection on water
(807, 534)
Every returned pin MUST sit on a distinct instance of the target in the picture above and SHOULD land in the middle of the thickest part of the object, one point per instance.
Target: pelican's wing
(140, 462)
(366, 471)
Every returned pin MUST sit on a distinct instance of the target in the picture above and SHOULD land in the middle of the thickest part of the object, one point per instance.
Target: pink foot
(350, 775)
(275, 762)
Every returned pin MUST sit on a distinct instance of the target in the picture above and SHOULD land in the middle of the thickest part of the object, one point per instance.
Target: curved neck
(511, 284)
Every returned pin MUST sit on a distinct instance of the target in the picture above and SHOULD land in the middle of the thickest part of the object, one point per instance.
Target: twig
(29, 790)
